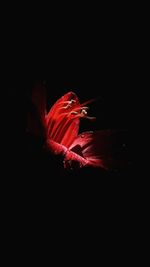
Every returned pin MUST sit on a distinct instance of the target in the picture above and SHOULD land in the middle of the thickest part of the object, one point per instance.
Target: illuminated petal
(71, 160)
(62, 124)
(101, 148)
(56, 148)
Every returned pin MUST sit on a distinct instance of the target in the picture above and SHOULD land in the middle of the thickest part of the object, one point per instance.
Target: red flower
(60, 128)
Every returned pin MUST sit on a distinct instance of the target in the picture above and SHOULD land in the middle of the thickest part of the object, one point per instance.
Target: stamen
(86, 108)
(83, 112)
(80, 108)
(73, 101)
(69, 103)
(74, 112)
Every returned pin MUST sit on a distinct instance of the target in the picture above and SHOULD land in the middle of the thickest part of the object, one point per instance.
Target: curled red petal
(101, 148)
(62, 124)
(71, 159)
(56, 148)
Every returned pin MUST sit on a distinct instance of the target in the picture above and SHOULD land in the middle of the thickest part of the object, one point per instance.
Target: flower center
(74, 108)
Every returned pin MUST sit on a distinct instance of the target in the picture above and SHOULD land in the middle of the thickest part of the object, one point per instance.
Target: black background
(95, 58)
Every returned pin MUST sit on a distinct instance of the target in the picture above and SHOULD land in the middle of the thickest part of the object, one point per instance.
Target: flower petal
(55, 148)
(71, 160)
(101, 148)
(62, 125)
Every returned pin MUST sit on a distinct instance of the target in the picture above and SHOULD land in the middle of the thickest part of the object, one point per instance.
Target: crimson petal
(101, 148)
(62, 125)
